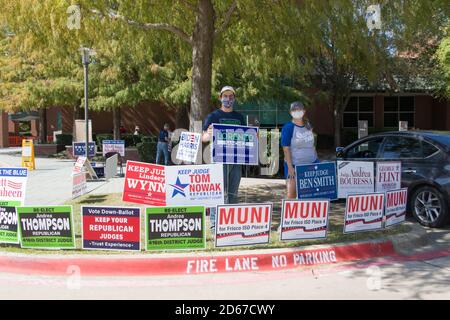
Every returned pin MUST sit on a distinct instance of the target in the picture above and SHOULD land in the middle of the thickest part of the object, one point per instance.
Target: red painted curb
(151, 266)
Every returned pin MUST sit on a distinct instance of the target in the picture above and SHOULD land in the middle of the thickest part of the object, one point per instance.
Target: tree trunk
(116, 123)
(202, 54)
(337, 126)
(43, 125)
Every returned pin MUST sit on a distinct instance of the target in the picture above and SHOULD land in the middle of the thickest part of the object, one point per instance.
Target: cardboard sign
(8, 222)
(145, 183)
(111, 167)
(316, 181)
(188, 146)
(364, 212)
(243, 224)
(304, 219)
(389, 176)
(46, 227)
(175, 228)
(113, 146)
(13, 184)
(395, 210)
(195, 185)
(111, 228)
(79, 149)
(79, 185)
(355, 177)
(232, 144)
(28, 154)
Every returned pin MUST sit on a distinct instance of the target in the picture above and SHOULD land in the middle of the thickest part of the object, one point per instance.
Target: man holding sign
(225, 115)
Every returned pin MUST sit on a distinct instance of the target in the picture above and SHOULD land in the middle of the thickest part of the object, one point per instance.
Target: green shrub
(131, 140)
(64, 139)
(147, 149)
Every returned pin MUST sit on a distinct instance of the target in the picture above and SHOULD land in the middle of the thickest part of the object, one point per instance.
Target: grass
(254, 194)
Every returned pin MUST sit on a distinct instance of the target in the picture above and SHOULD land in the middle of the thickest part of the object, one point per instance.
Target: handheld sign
(111, 228)
(175, 228)
(395, 210)
(233, 144)
(316, 181)
(46, 227)
(243, 224)
(364, 212)
(188, 146)
(28, 154)
(304, 219)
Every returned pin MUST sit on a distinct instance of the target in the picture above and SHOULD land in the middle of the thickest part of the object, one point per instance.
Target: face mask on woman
(298, 114)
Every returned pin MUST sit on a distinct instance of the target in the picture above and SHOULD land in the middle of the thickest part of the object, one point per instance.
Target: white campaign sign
(13, 184)
(389, 176)
(195, 185)
(188, 146)
(364, 212)
(355, 177)
(304, 219)
(79, 186)
(395, 210)
(113, 146)
(243, 224)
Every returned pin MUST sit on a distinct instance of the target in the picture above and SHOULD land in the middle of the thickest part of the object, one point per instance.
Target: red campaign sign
(145, 184)
(111, 228)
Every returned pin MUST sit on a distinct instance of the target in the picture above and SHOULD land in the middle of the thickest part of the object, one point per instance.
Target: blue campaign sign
(233, 144)
(79, 149)
(114, 146)
(316, 181)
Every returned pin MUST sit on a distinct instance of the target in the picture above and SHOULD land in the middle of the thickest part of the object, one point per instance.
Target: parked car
(425, 158)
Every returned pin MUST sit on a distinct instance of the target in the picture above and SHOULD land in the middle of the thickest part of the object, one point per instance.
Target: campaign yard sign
(144, 183)
(188, 146)
(46, 227)
(233, 144)
(355, 177)
(113, 146)
(168, 228)
(316, 181)
(389, 176)
(364, 212)
(111, 228)
(243, 224)
(304, 219)
(395, 210)
(79, 185)
(8, 222)
(79, 149)
(195, 185)
(13, 184)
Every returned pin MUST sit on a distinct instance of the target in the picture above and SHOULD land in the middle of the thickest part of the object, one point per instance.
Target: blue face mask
(227, 102)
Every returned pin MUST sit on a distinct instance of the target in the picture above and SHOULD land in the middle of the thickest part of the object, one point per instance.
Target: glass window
(358, 108)
(366, 150)
(401, 147)
(390, 104)
(398, 109)
(428, 149)
(391, 119)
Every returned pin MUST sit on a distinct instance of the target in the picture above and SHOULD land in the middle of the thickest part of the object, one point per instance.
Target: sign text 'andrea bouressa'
(364, 212)
(145, 183)
(195, 185)
(111, 228)
(355, 177)
(316, 181)
(243, 224)
(304, 219)
(233, 144)
(169, 228)
(46, 227)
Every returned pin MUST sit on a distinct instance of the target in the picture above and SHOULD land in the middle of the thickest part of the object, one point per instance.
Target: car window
(402, 147)
(365, 150)
(428, 149)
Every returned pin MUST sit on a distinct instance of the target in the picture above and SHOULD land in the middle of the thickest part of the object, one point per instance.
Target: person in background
(163, 145)
(137, 131)
(231, 172)
(122, 129)
(297, 140)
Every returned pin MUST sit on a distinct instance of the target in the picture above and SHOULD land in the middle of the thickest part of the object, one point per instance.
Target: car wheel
(429, 207)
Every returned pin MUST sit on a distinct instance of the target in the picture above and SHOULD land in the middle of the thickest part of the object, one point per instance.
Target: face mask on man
(298, 114)
(227, 102)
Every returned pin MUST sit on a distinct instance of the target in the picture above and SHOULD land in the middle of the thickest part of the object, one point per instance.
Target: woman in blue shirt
(297, 140)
